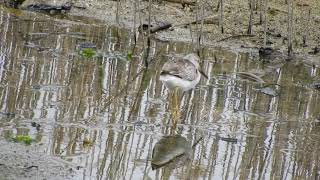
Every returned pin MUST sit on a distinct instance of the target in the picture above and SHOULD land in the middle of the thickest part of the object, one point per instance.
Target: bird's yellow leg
(176, 113)
(172, 104)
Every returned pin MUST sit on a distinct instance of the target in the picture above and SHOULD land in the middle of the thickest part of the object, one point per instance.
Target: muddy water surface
(106, 114)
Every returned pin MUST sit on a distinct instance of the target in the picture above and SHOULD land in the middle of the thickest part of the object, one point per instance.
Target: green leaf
(87, 52)
(129, 55)
(26, 139)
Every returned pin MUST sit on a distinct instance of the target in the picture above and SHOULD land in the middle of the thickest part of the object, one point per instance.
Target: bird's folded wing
(180, 68)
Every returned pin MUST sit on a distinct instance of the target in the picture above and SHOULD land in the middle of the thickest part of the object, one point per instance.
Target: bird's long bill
(203, 74)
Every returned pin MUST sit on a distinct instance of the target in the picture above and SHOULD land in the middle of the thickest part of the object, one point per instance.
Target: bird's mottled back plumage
(182, 68)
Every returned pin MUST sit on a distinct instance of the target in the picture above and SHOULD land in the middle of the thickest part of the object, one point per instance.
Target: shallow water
(105, 114)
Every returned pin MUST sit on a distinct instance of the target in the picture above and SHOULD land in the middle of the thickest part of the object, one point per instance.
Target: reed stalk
(290, 27)
(221, 16)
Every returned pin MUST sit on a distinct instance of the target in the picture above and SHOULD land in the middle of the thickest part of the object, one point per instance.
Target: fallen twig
(160, 27)
(183, 2)
(207, 20)
(236, 37)
(156, 27)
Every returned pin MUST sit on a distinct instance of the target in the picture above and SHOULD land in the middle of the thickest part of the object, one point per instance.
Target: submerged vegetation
(87, 52)
(26, 139)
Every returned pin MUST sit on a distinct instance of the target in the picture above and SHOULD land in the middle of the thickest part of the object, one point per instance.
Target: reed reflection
(106, 113)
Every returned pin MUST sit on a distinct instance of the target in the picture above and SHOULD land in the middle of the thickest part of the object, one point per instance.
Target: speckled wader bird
(181, 74)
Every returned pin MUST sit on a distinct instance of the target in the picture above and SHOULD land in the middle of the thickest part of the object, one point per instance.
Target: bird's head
(194, 59)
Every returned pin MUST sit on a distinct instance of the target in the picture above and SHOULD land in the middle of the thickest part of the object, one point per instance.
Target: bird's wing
(181, 68)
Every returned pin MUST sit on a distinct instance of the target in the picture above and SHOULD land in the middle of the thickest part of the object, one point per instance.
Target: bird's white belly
(173, 81)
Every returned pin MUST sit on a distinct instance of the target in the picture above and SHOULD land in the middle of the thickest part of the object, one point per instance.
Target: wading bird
(181, 74)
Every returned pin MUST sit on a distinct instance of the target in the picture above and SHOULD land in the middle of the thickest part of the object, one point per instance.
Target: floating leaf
(270, 90)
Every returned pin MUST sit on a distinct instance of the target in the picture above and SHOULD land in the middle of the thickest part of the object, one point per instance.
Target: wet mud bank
(27, 162)
(232, 25)
(236, 25)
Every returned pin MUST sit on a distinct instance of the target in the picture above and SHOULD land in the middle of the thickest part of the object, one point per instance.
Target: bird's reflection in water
(171, 152)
